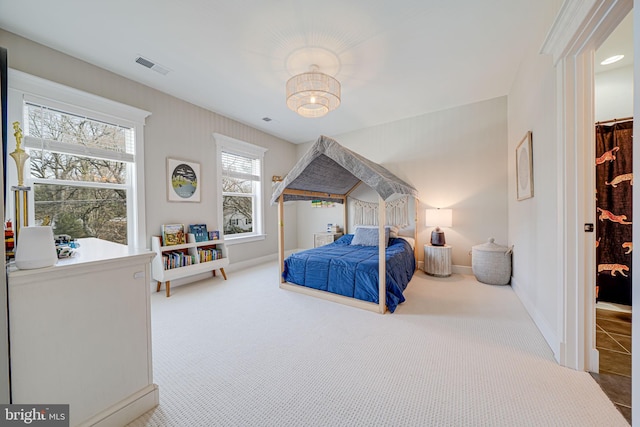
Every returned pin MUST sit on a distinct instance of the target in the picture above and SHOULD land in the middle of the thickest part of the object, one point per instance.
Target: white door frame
(580, 28)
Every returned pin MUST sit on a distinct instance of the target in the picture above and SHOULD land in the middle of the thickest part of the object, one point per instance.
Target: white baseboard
(462, 269)
(127, 409)
(545, 329)
(594, 361)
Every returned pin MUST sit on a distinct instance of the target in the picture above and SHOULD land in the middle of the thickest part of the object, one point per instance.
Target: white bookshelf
(159, 274)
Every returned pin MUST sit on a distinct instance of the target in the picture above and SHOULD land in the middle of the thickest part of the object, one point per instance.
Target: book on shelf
(173, 234)
(214, 235)
(177, 259)
(209, 254)
(199, 232)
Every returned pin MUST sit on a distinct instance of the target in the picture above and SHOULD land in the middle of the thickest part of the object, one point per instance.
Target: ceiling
(394, 59)
(619, 42)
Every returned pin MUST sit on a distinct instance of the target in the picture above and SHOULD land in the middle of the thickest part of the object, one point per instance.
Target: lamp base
(437, 237)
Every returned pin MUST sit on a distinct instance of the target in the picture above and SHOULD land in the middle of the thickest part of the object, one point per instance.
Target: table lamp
(438, 218)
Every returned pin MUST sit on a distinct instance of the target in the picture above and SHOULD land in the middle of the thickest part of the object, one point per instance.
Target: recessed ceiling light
(612, 59)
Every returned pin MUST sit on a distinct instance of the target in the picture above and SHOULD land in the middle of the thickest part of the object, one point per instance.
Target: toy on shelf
(9, 240)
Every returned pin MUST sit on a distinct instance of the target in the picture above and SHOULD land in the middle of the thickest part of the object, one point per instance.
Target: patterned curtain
(614, 177)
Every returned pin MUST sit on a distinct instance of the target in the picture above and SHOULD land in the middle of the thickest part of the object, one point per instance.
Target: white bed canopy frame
(330, 172)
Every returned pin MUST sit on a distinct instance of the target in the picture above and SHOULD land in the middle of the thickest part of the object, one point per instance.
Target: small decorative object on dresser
(333, 228)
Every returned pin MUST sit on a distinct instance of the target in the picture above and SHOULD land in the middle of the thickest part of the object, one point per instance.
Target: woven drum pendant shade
(313, 94)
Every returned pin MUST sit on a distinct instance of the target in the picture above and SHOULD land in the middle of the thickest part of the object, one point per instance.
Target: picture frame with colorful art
(183, 180)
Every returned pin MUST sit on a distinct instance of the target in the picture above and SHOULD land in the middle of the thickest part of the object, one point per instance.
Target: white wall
(175, 128)
(455, 158)
(533, 222)
(614, 94)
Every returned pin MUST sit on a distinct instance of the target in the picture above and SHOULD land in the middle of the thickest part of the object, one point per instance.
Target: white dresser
(80, 334)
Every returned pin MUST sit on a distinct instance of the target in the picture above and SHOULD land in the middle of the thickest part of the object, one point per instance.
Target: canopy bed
(337, 272)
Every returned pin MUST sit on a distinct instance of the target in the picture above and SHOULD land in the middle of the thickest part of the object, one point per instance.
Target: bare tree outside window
(79, 195)
(240, 183)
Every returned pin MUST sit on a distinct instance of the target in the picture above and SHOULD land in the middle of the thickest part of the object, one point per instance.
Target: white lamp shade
(36, 248)
(439, 217)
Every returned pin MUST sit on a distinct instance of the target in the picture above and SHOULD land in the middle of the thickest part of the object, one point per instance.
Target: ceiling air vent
(152, 65)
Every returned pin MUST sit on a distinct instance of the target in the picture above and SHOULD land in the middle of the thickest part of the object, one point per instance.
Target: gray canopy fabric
(329, 169)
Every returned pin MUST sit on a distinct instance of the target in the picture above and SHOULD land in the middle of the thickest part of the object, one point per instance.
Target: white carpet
(456, 353)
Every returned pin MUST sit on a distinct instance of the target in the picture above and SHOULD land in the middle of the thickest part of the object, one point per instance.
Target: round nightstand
(437, 260)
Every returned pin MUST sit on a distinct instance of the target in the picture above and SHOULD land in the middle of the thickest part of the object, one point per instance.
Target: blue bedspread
(352, 271)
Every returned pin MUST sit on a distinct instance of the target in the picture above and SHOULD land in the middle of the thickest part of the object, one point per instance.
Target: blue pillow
(369, 237)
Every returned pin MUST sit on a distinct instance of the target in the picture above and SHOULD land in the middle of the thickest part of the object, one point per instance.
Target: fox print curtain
(614, 178)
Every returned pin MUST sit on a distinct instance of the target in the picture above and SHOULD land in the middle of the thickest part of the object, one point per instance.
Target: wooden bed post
(415, 231)
(382, 256)
(346, 207)
(345, 216)
(281, 235)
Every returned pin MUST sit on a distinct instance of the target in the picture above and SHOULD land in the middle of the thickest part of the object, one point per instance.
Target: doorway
(613, 101)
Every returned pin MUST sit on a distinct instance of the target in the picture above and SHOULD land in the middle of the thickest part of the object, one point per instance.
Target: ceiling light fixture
(612, 59)
(313, 94)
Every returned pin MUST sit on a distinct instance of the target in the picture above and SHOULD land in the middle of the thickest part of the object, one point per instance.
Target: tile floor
(613, 341)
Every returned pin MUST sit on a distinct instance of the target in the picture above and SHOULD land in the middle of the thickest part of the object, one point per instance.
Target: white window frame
(235, 146)
(24, 87)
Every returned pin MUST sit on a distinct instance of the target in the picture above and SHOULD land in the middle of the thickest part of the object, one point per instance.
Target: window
(241, 188)
(84, 166)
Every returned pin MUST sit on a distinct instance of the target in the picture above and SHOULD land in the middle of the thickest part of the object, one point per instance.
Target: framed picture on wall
(524, 168)
(183, 181)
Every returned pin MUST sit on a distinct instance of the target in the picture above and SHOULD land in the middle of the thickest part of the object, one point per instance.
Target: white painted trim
(257, 152)
(127, 409)
(239, 146)
(547, 331)
(236, 266)
(69, 98)
(230, 241)
(455, 269)
(594, 359)
(462, 269)
(579, 29)
(583, 22)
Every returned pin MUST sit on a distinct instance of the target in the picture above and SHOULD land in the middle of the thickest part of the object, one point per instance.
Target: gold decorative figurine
(19, 155)
(21, 198)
